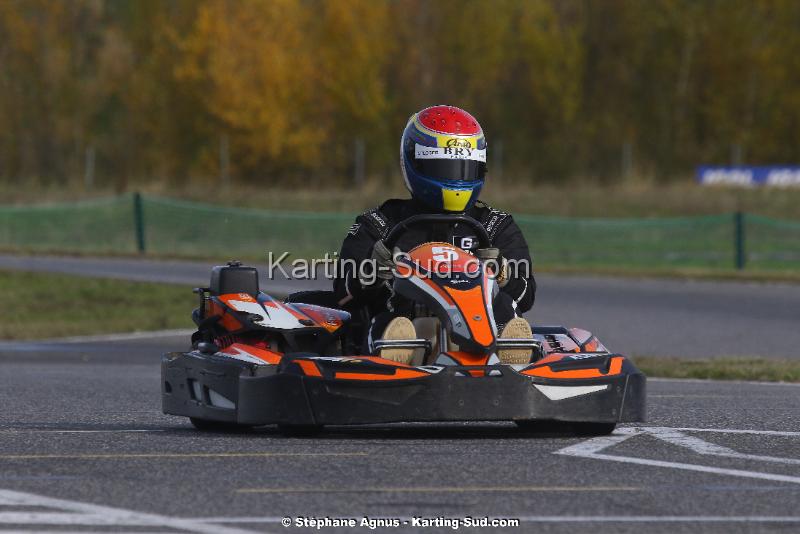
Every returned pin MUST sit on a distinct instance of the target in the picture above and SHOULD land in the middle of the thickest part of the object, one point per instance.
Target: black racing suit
(514, 298)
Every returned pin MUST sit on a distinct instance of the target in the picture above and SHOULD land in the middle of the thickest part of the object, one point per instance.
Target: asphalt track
(84, 448)
(643, 317)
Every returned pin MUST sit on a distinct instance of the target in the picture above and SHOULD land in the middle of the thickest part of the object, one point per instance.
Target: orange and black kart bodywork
(306, 389)
(259, 361)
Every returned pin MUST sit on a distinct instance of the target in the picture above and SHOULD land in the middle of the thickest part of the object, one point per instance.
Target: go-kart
(258, 361)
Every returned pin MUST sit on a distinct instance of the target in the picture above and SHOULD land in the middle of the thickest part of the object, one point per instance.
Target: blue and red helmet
(443, 158)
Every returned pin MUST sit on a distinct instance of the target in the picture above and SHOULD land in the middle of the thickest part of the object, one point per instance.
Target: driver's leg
(503, 306)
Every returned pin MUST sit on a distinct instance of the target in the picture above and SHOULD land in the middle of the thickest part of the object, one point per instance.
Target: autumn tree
(566, 89)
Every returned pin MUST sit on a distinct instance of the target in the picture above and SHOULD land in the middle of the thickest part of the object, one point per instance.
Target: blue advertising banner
(786, 176)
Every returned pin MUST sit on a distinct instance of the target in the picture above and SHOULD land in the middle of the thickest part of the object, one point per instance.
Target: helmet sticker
(426, 152)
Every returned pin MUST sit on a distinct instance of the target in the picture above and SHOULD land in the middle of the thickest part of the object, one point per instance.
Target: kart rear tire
(567, 427)
(300, 431)
(206, 425)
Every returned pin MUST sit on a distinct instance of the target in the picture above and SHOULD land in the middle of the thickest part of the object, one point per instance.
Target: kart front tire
(217, 426)
(300, 431)
(594, 429)
(567, 427)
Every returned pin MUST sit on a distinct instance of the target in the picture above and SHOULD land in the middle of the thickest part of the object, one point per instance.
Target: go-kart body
(247, 385)
(259, 361)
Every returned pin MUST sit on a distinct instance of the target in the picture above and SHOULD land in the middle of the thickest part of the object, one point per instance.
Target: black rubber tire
(594, 429)
(300, 431)
(218, 426)
(567, 428)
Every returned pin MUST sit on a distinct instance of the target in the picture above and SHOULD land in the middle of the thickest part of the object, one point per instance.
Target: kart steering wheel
(400, 228)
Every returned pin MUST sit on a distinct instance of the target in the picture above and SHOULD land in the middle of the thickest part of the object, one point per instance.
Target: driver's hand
(384, 264)
(491, 255)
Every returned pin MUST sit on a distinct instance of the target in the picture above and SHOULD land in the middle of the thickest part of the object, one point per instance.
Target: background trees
(278, 89)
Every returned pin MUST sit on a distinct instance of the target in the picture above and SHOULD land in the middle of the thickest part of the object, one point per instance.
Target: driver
(443, 160)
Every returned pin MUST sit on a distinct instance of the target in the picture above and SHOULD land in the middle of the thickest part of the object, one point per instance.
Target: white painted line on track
(79, 513)
(595, 445)
(696, 467)
(592, 449)
(675, 437)
(736, 431)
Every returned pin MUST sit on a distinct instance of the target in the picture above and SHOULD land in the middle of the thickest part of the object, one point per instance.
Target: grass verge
(750, 369)
(51, 305)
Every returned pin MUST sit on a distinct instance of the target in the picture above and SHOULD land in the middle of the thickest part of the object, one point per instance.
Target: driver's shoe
(517, 328)
(399, 328)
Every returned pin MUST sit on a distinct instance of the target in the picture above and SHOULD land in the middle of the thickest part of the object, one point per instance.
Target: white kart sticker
(426, 152)
(567, 392)
(276, 317)
(238, 354)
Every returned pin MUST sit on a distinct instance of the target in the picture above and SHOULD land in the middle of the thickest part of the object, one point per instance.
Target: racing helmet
(443, 158)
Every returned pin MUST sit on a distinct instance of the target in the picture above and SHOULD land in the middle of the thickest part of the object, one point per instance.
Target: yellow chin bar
(455, 199)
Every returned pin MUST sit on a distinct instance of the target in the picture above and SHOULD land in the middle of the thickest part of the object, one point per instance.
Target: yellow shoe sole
(517, 328)
(399, 328)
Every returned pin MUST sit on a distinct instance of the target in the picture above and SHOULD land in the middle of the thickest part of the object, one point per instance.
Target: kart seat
(233, 278)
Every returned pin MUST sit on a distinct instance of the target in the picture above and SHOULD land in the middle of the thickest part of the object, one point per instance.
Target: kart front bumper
(236, 392)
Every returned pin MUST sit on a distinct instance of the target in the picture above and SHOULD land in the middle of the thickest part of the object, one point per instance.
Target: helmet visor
(451, 169)
(450, 164)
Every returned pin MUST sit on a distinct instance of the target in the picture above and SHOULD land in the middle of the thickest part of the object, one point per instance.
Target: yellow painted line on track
(145, 455)
(446, 489)
(58, 431)
(690, 396)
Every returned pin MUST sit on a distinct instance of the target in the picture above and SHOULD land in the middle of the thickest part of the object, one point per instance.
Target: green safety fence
(98, 226)
(707, 241)
(191, 229)
(166, 227)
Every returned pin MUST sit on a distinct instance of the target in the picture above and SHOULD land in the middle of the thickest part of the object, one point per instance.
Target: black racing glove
(383, 263)
(496, 262)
